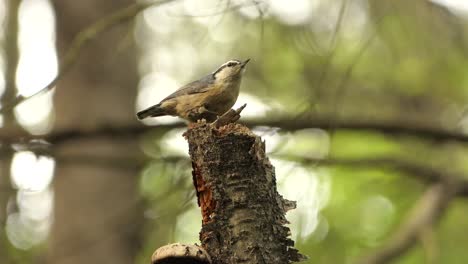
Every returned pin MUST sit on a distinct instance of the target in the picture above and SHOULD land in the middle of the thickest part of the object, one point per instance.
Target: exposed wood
(243, 214)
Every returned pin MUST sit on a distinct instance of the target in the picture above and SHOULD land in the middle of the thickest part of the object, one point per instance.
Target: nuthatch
(208, 97)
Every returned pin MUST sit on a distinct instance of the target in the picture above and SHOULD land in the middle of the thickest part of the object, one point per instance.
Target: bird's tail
(154, 110)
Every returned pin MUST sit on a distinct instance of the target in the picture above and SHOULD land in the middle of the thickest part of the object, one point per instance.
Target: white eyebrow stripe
(224, 65)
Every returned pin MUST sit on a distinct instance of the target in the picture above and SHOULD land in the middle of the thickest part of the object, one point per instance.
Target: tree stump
(243, 214)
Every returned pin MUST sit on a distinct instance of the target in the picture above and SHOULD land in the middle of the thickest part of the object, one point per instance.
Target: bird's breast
(223, 98)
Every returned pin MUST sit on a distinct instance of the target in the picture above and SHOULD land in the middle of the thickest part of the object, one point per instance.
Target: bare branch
(333, 44)
(429, 245)
(391, 127)
(420, 171)
(394, 128)
(83, 38)
(427, 211)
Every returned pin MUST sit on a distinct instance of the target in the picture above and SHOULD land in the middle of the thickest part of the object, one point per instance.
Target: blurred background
(363, 106)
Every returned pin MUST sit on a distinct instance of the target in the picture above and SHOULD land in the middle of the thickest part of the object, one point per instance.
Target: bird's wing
(199, 86)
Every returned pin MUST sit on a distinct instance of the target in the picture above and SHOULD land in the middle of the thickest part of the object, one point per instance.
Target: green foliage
(390, 61)
(167, 190)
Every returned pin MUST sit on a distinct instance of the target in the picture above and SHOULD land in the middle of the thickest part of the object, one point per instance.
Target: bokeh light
(37, 64)
(31, 172)
(302, 56)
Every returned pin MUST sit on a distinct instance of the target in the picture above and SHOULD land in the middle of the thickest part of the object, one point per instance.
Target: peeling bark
(243, 214)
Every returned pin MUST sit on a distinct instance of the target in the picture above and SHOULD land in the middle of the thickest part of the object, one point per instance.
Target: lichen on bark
(243, 214)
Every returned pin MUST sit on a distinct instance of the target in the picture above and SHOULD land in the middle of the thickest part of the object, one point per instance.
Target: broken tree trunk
(243, 214)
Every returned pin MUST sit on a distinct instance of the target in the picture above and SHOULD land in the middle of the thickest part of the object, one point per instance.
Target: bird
(206, 98)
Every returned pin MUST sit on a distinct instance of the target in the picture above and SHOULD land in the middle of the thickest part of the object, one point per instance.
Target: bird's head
(230, 69)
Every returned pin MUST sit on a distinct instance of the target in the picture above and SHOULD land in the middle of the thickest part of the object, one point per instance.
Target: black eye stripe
(227, 64)
(232, 63)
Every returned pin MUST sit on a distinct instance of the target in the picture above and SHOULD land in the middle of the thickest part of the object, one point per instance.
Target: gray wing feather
(199, 86)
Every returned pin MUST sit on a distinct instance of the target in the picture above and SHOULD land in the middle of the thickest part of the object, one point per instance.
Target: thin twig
(420, 171)
(80, 40)
(333, 44)
(426, 212)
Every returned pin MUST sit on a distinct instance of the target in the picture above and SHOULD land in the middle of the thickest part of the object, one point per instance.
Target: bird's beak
(244, 63)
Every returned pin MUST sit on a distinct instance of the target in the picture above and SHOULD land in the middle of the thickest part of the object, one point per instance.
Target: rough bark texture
(243, 214)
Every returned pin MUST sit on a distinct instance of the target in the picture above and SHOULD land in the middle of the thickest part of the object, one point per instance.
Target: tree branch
(419, 171)
(397, 128)
(80, 40)
(427, 211)
(391, 127)
(422, 172)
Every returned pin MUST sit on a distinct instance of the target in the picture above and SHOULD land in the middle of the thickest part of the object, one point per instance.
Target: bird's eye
(230, 64)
